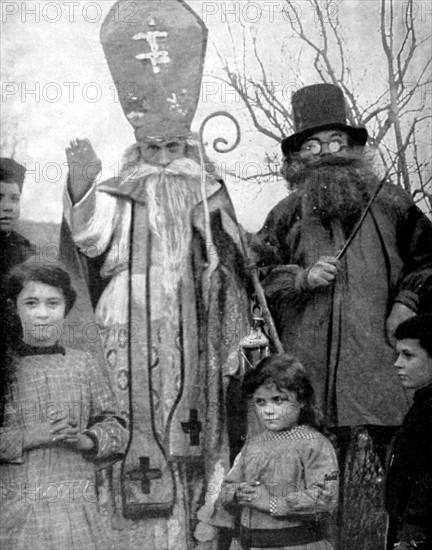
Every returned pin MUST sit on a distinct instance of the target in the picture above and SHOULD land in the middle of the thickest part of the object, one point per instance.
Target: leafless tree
(11, 136)
(398, 117)
(10, 139)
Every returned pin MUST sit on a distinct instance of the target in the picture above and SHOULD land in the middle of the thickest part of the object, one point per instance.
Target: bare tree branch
(395, 116)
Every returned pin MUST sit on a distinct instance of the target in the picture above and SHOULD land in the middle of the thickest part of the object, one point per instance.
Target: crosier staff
(211, 254)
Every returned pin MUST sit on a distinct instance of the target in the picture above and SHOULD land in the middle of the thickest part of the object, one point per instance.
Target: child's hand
(82, 443)
(254, 494)
(73, 438)
(50, 432)
(248, 492)
(66, 428)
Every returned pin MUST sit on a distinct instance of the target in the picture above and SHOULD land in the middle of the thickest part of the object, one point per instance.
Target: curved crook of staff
(259, 291)
(218, 141)
(211, 251)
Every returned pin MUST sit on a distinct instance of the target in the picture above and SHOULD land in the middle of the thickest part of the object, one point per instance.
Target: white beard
(171, 199)
(171, 194)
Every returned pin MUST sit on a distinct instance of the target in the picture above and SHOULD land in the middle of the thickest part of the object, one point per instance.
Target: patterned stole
(165, 380)
(147, 479)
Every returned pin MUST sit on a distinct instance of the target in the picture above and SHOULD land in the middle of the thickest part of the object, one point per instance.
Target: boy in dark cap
(14, 247)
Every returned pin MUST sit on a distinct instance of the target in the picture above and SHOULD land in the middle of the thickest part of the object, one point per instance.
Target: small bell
(255, 346)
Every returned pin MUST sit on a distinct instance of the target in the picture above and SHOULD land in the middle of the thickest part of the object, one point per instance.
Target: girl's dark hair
(49, 274)
(32, 270)
(288, 374)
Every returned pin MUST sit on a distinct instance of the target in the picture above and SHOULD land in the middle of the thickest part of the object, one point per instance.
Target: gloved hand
(323, 273)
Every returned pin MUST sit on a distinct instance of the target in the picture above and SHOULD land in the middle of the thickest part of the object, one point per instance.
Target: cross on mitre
(156, 61)
(155, 55)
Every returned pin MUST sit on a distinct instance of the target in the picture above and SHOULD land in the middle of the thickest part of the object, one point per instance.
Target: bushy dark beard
(335, 187)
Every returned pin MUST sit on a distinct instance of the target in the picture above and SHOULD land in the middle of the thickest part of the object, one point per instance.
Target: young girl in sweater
(284, 482)
(58, 421)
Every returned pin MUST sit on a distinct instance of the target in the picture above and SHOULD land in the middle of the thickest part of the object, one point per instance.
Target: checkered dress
(298, 467)
(48, 493)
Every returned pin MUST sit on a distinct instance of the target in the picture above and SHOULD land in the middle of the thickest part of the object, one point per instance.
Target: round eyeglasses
(315, 146)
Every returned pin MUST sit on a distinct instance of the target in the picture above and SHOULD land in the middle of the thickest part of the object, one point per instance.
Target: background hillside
(44, 235)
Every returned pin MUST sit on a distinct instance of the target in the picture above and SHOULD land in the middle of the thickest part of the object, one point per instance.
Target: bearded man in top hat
(338, 315)
(170, 306)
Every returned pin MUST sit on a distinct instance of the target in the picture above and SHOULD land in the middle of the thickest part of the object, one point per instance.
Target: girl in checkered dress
(284, 483)
(59, 421)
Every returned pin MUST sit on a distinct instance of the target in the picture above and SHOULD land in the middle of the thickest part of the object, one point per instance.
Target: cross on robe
(145, 474)
(193, 427)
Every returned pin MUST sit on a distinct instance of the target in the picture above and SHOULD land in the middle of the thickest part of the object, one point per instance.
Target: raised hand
(84, 167)
(323, 273)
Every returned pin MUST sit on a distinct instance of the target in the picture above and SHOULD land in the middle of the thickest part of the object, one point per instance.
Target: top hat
(156, 55)
(319, 107)
(12, 172)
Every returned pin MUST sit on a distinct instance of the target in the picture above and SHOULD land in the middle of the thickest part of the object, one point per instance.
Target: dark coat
(339, 332)
(15, 249)
(409, 478)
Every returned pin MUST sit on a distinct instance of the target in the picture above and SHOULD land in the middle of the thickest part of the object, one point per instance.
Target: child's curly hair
(288, 374)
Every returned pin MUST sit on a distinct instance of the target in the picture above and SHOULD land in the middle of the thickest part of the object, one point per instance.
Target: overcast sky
(56, 86)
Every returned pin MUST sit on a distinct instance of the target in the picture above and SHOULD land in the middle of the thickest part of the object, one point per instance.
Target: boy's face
(10, 197)
(413, 364)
